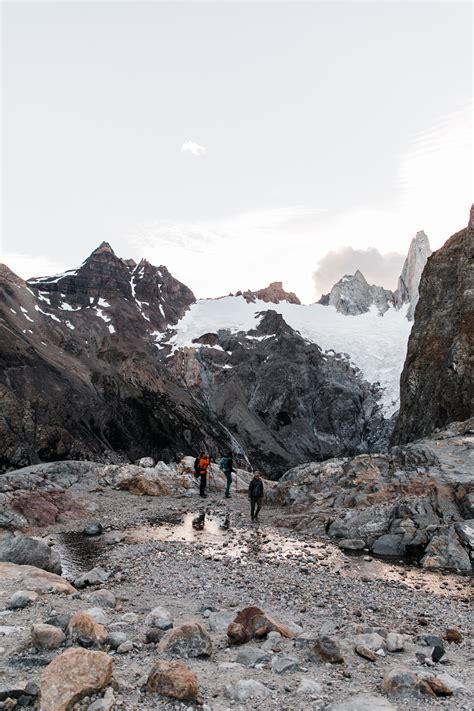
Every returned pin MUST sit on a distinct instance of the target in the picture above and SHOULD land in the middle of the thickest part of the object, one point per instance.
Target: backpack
(196, 467)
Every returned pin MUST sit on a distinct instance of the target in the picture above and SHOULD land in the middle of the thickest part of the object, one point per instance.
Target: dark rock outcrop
(437, 383)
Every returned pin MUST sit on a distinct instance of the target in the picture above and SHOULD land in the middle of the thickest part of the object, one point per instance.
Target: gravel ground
(227, 566)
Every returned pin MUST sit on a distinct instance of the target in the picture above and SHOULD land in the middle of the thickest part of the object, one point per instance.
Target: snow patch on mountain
(377, 346)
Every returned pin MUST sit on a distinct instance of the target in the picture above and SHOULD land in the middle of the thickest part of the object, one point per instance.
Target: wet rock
(96, 576)
(327, 649)
(161, 618)
(281, 664)
(22, 550)
(251, 623)
(309, 686)
(30, 578)
(72, 675)
(84, 630)
(439, 687)
(251, 656)
(352, 544)
(246, 689)
(102, 598)
(115, 639)
(365, 652)
(47, 636)
(21, 599)
(401, 684)
(173, 679)
(362, 702)
(94, 529)
(453, 635)
(395, 642)
(189, 640)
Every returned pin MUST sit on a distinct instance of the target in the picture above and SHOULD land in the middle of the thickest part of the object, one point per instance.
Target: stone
(251, 623)
(281, 664)
(365, 652)
(372, 641)
(71, 676)
(327, 649)
(451, 682)
(102, 598)
(21, 599)
(85, 630)
(173, 679)
(125, 647)
(352, 544)
(47, 636)
(445, 552)
(146, 462)
(251, 656)
(309, 686)
(105, 704)
(154, 635)
(98, 615)
(395, 642)
(219, 621)
(23, 550)
(94, 529)
(112, 537)
(95, 576)
(61, 621)
(439, 687)
(453, 635)
(159, 617)
(389, 545)
(115, 639)
(362, 702)
(465, 531)
(30, 578)
(188, 640)
(131, 618)
(438, 653)
(432, 640)
(246, 689)
(402, 684)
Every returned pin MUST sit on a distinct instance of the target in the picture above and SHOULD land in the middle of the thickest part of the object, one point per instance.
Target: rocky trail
(333, 630)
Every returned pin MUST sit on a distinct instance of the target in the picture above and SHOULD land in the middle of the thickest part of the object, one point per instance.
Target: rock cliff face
(280, 396)
(437, 383)
(353, 295)
(274, 293)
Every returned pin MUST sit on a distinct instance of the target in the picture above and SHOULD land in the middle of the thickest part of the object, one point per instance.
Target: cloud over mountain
(378, 268)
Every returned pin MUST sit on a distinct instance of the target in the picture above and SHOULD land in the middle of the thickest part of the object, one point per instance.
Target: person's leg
(229, 483)
(202, 488)
(252, 508)
(259, 506)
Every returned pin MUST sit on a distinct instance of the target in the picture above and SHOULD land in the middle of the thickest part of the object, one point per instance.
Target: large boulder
(83, 629)
(23, 550)
(47, 636)
(446, 552)
(188, 640)
(28, 577)
(403, 684)
(251, 623)
(72, 675)
(173, 679)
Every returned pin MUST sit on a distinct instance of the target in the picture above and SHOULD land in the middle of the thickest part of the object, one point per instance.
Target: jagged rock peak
(274, 293)
(103, 248)
(407, 290)
(353, 295)
(7, 274)
(470, 224)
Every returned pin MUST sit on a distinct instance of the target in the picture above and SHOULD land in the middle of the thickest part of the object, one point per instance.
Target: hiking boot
(204, 496)
(227, 496)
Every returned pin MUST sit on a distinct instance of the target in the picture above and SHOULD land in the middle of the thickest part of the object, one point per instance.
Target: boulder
(47, 636)
(161, 618)
(146, 462)
(98, 615)
(173, 679)
(327, 649)
(372, 641)
(281, 664)
(246, 689)
(84, 630)
(189, 640)
(94, 529)
(72, 675)
(365, 652)
(351, 544)
(23, 550)
(445, 552)
(439, 686)
(251, 623)
(389, 544)
(465, 531)
(401, 684)
(102, 598)
(61, 621)
(96, 576)
(395, 642)
(115, 639)
(31, 578)
(251, 656)
(21, 599)
(453, 635)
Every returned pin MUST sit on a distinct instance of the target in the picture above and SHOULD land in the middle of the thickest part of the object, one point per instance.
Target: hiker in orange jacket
(200, 467)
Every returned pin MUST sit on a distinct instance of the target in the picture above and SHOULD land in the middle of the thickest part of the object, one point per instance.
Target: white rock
(395, 642)
(309, 686)
(246, 689)
(159, 617)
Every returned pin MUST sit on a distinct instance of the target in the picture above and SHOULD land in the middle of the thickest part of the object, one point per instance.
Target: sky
(236, 143)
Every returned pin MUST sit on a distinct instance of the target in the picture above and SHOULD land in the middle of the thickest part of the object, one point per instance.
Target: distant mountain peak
(103, 248)
(274, 293)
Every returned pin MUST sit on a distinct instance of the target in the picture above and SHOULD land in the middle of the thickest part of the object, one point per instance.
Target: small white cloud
(195, 148)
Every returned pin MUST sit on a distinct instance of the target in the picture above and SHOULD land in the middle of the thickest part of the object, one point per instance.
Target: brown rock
(142, 486)
(72, 675)
(82, 626)
(439, 687)
(400, 683)
(173, 679)
(47, 636)
(27, 577)
(190, 640)
(253, 622)
(365, 652)
(453, 635)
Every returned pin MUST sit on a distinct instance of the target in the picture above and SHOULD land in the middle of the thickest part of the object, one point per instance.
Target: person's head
(257, 474)
(229, 455)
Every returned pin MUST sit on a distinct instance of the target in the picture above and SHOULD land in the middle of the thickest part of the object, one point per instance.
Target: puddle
(215, 537)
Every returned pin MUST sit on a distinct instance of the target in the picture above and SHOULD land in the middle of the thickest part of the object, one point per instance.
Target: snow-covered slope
(374, 344)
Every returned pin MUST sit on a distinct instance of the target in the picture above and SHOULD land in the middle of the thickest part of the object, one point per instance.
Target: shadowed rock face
(80, 374)
(437, 383)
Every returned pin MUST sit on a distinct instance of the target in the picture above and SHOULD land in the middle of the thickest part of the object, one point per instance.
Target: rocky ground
(150, 555)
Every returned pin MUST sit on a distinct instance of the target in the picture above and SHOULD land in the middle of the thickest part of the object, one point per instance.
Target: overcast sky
(236, 143)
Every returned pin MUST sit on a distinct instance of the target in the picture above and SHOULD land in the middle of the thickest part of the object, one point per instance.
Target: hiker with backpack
(201, 465)
(226, 465)
(255, 495)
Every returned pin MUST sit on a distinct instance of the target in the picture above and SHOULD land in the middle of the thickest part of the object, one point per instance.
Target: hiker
(201, 464)
(227, 466)
(255, 495)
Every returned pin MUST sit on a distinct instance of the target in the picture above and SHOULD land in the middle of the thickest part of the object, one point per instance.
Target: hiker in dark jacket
(255, 495)
(227, 466)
